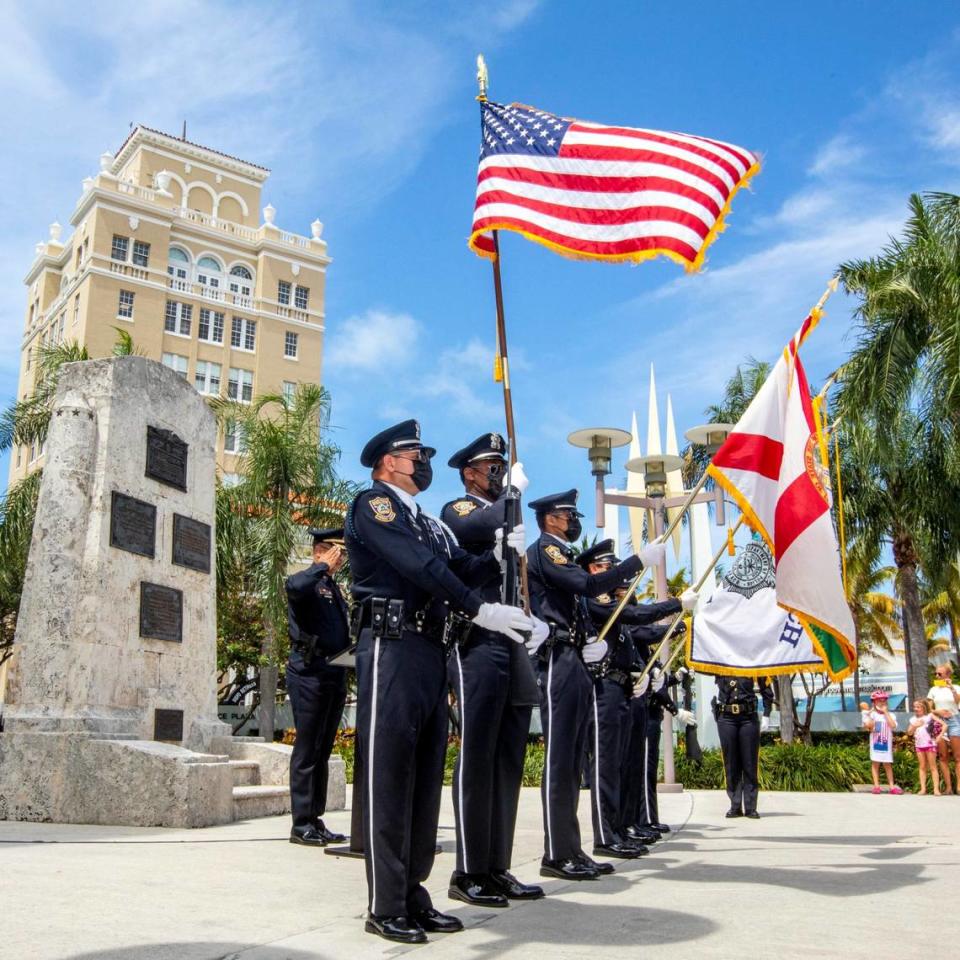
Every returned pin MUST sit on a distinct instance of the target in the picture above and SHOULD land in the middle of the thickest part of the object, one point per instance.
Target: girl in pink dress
(926, 727)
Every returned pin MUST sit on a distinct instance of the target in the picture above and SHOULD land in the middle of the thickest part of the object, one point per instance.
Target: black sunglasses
(419, 454)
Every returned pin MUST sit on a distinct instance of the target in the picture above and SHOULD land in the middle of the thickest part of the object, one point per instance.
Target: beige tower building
(168, 245)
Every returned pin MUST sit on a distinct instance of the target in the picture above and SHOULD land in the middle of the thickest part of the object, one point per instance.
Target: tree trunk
(954, 639)
(268, 687)
(843, 697)
(787, 708)
(914, 633)
(856, 683)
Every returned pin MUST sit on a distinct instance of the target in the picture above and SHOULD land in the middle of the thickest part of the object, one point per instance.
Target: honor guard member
(557, 589)
(651, 697)
(409, 574)
(610, 721)
(487, 671)
(318, 626)
(739, 726)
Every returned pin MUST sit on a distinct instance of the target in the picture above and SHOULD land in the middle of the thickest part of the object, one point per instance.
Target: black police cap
(485, 446)
(556, 501)
(331, 535)
(599, 553)
(395, 439)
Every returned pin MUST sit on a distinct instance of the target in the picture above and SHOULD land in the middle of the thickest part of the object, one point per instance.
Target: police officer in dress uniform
(318, 627)
(409, 576)
(496, 691)
(739, 726)
(611, 707)
(557, 591)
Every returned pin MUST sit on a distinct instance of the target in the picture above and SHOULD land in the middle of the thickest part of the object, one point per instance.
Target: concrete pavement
(821, 875)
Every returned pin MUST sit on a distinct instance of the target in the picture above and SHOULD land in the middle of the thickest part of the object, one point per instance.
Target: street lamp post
(654, 467)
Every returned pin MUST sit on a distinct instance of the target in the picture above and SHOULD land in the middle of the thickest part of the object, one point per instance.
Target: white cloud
(375, 341)
(839, 153)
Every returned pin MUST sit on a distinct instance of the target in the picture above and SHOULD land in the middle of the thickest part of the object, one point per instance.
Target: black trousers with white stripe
(610, 730)
(633, 772)
(650, 813)
(402, 733)
(489, 767)
(565, 698)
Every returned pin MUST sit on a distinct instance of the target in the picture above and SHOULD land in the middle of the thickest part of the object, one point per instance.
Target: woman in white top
(945, 695)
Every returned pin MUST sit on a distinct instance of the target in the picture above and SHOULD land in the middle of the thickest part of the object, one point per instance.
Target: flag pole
(503, 362)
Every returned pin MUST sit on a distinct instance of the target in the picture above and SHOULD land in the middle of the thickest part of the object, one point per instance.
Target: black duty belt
(560, 635)
(388, 618)
(618, 676)
(737, 709)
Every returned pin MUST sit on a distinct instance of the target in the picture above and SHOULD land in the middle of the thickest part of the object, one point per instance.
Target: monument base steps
(246, 773)
(260, 801)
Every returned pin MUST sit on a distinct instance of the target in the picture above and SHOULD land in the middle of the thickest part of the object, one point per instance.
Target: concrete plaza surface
(821, 875)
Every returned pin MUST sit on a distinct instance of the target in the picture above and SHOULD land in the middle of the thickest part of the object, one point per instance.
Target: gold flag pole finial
(483, 78)
(831, 288)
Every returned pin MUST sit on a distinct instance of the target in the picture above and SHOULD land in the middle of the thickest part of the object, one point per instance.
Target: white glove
(659, 679)
(517, 539)
(538, 635)
(518, 479)
(653, 554)
(498, 544)
(594, 650)
(682, 673)
(686, 718)
(639, 689)
(500, 618)
(688, 599)
(764, 724)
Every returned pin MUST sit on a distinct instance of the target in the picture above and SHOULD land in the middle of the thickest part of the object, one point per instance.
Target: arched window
(241, 285)
(177, 268)
(208, 276)
(240, 271)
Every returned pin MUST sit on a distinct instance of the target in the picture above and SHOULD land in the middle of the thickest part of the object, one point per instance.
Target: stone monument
(111, 694)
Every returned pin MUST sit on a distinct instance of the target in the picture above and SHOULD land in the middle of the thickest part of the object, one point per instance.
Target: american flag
(597, 192)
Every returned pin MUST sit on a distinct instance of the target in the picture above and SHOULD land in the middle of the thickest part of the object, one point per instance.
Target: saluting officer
(611, 711)
(318, 627)
(495, 690)
(739, 726)
(557, 589)
(408, 575)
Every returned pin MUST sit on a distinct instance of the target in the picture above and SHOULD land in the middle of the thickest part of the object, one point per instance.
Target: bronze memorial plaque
(191, 543)
(168, 725)
(166, 458)
(161, 612)
(133, 524)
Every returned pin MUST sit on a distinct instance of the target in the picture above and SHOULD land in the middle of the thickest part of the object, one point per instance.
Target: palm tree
(17, 509)
(874, 611)
(289, 480)
(897, 493)
(941, 609)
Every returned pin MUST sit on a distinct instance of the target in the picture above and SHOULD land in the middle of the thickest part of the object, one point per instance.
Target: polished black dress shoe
(641, 834)
(478, 890)
(642, 849)
(572, 869)
(660, 827)
(753, 815)
(730, 814)
(619, 851)
(399, 929)
(603, 869)
(506, 883)
(329, 835)
(309, 836)
(433, 921)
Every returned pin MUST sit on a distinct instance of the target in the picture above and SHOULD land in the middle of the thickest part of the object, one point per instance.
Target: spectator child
(881, 723)
(926, 727)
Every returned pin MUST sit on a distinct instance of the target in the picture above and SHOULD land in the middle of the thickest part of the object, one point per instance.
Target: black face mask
(494, 478)
(422, 475)
(574, 529)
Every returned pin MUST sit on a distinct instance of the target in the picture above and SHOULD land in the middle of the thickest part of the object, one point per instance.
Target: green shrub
(824, 768)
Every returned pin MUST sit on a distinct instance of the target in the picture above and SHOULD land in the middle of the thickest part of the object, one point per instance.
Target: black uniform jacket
(744, 690)
(557, 583)
(399, 557)
(622, 654)
(474, 523)
(317, 615)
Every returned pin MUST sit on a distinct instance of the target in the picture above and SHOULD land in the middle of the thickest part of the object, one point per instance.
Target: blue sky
(365, 114)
